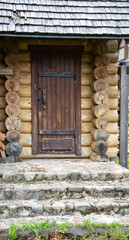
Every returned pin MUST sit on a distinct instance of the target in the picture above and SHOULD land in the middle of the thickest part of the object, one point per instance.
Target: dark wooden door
(56, 101)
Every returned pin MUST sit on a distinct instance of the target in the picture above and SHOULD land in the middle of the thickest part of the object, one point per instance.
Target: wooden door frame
(35, 123)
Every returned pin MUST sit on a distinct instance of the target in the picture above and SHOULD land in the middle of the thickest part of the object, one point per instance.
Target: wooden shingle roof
(65, 17)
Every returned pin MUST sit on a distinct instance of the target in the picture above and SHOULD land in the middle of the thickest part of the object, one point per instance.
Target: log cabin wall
(92, 49)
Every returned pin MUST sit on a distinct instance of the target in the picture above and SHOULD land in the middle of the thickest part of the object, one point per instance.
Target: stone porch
(65, 190)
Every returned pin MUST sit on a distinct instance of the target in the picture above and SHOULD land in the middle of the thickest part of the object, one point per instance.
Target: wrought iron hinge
(75, 137)
(75, 80)
(39, 87)
(40, 100)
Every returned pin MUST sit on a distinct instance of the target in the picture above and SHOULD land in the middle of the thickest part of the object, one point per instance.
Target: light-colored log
(86, 103)
(112, 152)
(25, 102)
(12, 85)
(99, 97)
(86, 116)
(99, 147)
(13, 123)
(112, 46)
(86, 68)
(25, 78)
(112, 79)
(13, 136)
(112, 127)
(24, 67)
(112, 103)
(112, 116)
(86, 79)
(112, 68)
(11, 46)
(86, 91)
(26, 140)
(100, 72)
(2, 127)
(113, 140)
(27, 153)
(26, 127)
(25, 115)
(101, 60)
(100, 123)
(2, 115)
(100, 85)
(25, 91)
(86, 140)
(99, 134)
(12, 97)
(98, 158)
(12, 110)
(11, 60)
(2, 102)
(99, 110)
(86, 58)
(3, 91)
(112, 57)
(24, 56)
(86, 127)
(6, 71)
(14, 149)
(113, 91)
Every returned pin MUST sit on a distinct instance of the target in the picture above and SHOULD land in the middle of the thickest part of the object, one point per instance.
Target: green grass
(117, 161)
(116, 231)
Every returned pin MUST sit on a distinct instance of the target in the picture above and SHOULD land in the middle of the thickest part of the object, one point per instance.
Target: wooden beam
(124, 117)
(6, 71)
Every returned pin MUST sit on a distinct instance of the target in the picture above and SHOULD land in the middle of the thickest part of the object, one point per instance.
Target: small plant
(62, 228)
(13, 231)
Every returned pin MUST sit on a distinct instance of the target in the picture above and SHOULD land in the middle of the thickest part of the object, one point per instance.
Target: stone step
(31, 208)
(74, 219)
(68, 170)
(64, 190)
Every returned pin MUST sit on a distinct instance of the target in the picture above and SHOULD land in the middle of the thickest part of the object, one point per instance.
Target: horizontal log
(86, 58)
(112, 79)
(13, 123)
(3, 91)
(6, 71)
(24, 56)
(112, 46)
(86, 116)
(99, 146)
(14, 149)
(12, 85)
(99, 97)
(112, 152)
(99, 134)
(26, 127)
(2, 115)
(100, 85)
(112, 140)
(11, 45)
(101, 60)
(86, 91)
(112, 128)
(100, 122)
(25, 91)
(113, 57)
(112, 103)
(86, 103)
(86, 127)
(86, 68)
(12, 110)
(86, 79)
(25, 103)
(16, 73)
(24, 67)
(99, 158)
(2, 127)
(26, 140)
(112, 68)
(25, 78)
(13, 136)
(2, 102)
(99, 110)
(86, 140)
(25, 115)
(12, 97)
(27, 153)
(11, 59)
(88, 47)
(112, 116)
(100, 72)
(113, 91)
